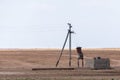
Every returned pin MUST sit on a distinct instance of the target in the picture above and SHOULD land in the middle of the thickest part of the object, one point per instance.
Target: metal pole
(70, 44)
(68, 35)
(78, 63)
(62, 49)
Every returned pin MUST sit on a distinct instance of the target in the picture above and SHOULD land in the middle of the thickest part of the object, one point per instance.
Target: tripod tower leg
(68, 35)
(70, 44)
(70, 49)
(62, 49)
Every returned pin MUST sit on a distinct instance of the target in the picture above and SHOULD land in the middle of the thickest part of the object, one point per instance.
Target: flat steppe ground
(18, 64)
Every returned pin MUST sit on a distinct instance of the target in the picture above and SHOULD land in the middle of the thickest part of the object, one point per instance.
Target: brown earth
(18, 63)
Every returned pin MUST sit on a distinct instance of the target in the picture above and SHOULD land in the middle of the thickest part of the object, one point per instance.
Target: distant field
(18, 63)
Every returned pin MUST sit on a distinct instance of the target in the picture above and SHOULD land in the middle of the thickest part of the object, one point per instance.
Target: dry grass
(19, 63)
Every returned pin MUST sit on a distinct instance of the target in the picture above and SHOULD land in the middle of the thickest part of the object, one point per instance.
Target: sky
(43, 23)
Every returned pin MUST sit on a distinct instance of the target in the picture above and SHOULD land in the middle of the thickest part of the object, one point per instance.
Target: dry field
(17, 64)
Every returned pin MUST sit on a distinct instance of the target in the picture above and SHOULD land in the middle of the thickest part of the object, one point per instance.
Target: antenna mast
(68, 35)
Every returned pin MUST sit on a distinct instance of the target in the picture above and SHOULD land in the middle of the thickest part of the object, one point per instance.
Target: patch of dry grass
(24, 60)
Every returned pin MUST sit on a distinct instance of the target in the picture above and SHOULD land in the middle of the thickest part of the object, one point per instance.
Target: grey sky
(43, 23)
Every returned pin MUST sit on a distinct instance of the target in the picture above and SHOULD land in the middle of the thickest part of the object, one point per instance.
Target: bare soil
(18, 63)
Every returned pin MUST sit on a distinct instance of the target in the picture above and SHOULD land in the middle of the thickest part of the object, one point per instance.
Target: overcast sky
(43, 23)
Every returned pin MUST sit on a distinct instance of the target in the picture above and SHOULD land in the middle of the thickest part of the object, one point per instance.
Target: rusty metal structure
(80, 56)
